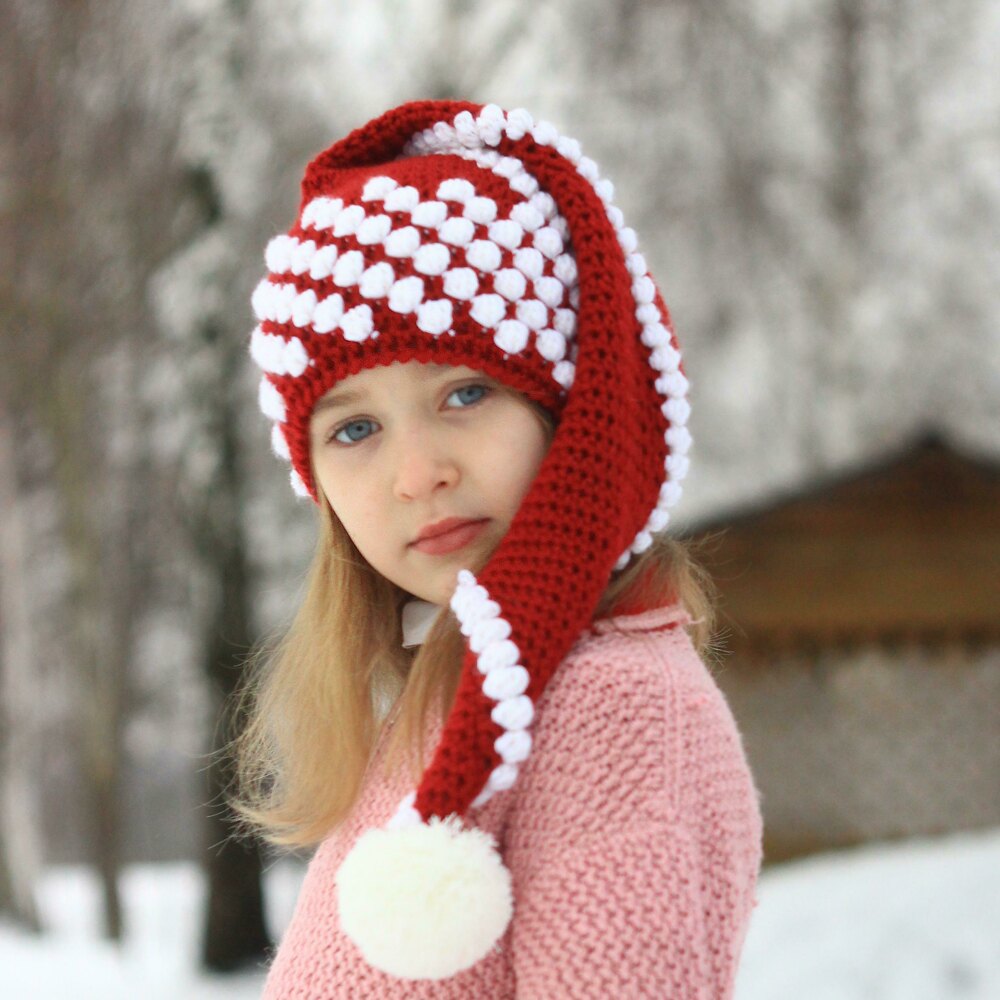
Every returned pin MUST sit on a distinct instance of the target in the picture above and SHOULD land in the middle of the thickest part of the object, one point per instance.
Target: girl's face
(401, 448)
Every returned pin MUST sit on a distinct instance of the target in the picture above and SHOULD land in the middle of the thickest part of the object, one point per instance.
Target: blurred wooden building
(862, 623)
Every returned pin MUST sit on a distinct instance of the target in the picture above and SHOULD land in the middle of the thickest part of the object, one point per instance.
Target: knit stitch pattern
(633, 836)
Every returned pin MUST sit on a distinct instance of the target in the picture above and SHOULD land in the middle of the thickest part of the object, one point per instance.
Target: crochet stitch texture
(633, 836)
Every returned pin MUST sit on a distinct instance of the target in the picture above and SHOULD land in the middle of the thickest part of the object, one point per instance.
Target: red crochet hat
(457, 233)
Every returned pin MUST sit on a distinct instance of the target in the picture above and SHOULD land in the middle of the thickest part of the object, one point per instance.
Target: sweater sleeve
(611, 887)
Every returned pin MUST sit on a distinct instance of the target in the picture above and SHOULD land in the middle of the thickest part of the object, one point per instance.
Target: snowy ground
(919, 921)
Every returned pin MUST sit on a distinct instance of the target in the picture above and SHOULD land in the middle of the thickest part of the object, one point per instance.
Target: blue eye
(470, 394)
(356, 430)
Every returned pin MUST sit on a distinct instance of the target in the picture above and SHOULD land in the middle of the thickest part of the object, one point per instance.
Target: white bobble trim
(498, 655)
(403, 242)
(545, 204)
(655, 335)
(456, 188)
(648, 312)
(676, 411)
(511, 336)
(574, 296)
(456, 231)
(587, 168)
(616, 216)
(480, 210)
(467, 130)
(549, 242)
(628, 240)
(377, 280)
(679, 439)
(507, 233)
(622, 561)
(321, 212)
(461, 283)
(545, 133)
(670, 493)
(349, 220)
(514, 713)
(323, 262)
(510, 283)
(401, 199)
(527, 217)
(551, 291)
(551, 345)
(483, 254)
(328, 313)
(297, 484)
(406, 294)
(529, 262)
(564, 373)
(434, 317)
(672, 383)
(429, 214)
(508, 166)
(357, 323)
(377, 188)
(488, 310)
(349, 269)
(513, 747)
(605, 190)
(374, 230)
(642, 542)
(490, 124)
(569, 148)
(565, 269)
(278, 254)
(270, 400)
(488, 631)
(677, 466)
(262, 299)
(665, 358)
(519, 123)
(505, 682)
(524, 184)
(636, 264)
(658, 520)
(533, 314)
(283, 301)
(278, 443)
(565, 322)
(303, 308)
(643, 289)
(432, 259)
(502, 777)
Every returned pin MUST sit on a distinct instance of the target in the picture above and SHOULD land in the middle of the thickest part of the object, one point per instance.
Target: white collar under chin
(417, 618)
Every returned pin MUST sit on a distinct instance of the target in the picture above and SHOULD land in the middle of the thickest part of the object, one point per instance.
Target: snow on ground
(918, 920)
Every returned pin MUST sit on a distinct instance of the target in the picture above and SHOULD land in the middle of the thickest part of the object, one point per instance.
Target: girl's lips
(451, 540)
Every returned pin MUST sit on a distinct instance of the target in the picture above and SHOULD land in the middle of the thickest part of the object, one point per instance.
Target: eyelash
(332, 439)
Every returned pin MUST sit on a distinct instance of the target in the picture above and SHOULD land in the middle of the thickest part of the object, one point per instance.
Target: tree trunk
(18, 834)
(235, 933)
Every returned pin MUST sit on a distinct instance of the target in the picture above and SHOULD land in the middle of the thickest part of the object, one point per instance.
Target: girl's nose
(421, 467)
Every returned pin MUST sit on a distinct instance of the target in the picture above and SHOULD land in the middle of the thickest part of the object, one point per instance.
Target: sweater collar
(416, 619)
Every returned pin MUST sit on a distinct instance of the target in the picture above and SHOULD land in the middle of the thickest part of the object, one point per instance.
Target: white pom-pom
(424, 901)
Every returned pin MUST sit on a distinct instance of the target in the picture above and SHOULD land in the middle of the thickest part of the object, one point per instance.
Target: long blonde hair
(315, 694)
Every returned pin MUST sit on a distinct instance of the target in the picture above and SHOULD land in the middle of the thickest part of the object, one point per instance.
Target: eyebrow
(348, 397)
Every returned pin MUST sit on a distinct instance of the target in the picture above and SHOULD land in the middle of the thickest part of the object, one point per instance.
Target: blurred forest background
(815, 184)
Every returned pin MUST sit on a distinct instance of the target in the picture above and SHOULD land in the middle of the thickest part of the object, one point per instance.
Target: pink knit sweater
(633, 837)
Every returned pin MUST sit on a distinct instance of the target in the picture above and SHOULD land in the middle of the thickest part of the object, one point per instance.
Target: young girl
(474, 378)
